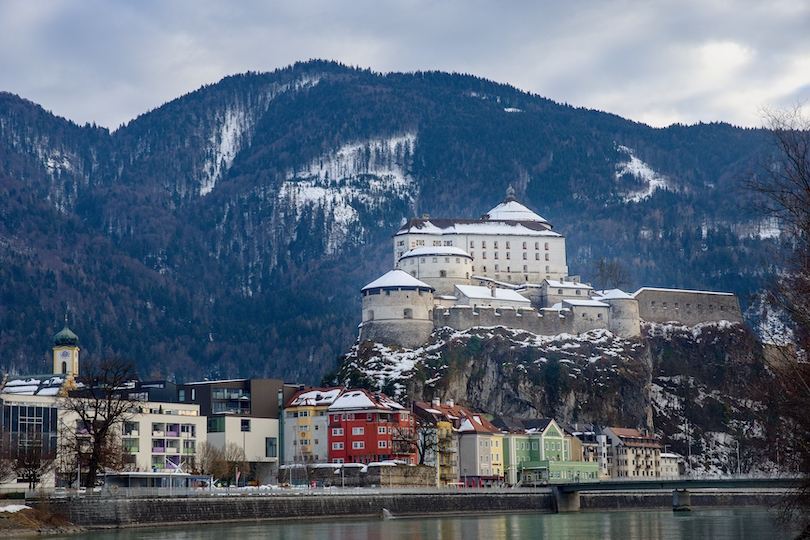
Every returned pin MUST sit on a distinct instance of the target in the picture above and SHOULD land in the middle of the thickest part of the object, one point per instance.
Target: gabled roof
(314, 397)
(363, 400)
(494, 294)
(463, 419)
(658, 289)
(514, 424)
(397, 278)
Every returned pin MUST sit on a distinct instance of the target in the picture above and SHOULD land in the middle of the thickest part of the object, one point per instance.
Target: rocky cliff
(696, 387)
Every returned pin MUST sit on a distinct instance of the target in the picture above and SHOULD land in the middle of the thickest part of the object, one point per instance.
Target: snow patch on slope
(234, 128)
(339, 183)
(640, 170)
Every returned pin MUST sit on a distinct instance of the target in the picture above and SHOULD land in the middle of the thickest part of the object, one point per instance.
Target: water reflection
(731, 524)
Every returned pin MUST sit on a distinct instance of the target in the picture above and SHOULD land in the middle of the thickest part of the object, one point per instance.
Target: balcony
(131, 433)
(172, 450)
(158, 434)
(158, 449)
(188, 451)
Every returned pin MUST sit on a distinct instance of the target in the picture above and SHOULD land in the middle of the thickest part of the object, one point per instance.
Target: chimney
(449, 402)
(425, 216)
(493, 292)
(436, 402)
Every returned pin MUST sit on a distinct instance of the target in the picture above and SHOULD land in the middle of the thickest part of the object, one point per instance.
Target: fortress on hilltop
(509, 268)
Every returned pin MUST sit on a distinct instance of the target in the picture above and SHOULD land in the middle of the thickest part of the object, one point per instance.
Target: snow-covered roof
(614, 294)
(485, 293)
(34, 385)
(566, 284)
(363, 400)
(657, 289)
(437, 251)
(396, 278)
(585, 303)
(512, 210)
(438, 227)
(315, 397)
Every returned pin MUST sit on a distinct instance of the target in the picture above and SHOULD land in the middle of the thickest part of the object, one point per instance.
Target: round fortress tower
(397, 309)
(624, 319)
(441, 267)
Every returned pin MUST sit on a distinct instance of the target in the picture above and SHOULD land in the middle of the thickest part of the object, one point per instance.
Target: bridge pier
(566, 501)
(681, 500)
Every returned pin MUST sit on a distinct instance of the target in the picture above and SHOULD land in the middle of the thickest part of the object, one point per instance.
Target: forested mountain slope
(228, 232)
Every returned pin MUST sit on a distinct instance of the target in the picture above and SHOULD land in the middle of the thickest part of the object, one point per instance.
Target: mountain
(228, 232)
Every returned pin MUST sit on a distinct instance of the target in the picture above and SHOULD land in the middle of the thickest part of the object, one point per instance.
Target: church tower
(66, 352)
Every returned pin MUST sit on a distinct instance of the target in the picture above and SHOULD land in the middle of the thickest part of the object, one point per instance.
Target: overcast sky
(654, 61)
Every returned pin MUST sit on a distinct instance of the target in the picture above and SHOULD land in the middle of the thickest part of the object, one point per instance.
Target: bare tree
(783, 184)
(610, 274)
(31, 459)
(427, 440)
(101, 403)
(403, 441)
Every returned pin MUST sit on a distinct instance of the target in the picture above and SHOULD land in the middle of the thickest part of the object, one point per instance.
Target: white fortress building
(509, 268)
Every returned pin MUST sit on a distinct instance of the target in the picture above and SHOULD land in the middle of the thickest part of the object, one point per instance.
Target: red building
(365, 427)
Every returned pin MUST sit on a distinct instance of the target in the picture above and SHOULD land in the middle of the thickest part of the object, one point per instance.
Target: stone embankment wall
(546, 322)
(106, 512)
(111, 512)
(399, 477)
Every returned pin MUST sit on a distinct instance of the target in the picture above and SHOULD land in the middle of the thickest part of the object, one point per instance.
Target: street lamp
(738, 456)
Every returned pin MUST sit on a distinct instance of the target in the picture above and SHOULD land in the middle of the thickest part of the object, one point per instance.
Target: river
(719, 524)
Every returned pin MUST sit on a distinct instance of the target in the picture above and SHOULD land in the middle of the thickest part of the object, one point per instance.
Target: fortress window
(458, 260)
(688, 306)
(546, 256)
(485, 268)
(536, 256)
(472, 244)
(525, 255)
(495, 244)
(547, 270)
(525, 268)
(508, 255)
(422, 260)
(442, 273)
(652, 304)
(524, 245)
(676, 305)
(411, 262)
(400, 242)
(711, 307)
(407, 313)
(496, 254)
(420, 242)
(507, 245)
(437, 242)
(483, 244)
(496, 267)
(447, 259)
(435, 259)
(598, 315)
(484, 255)
(448, 242)
(559, 291)
(387, 293)
(537, 245)
(578, 292)
(413, 273)
(665, 305)
(700, 306)
(508, 269)
(546, 246)
(472, 254)
(370, 315)
(722, 308)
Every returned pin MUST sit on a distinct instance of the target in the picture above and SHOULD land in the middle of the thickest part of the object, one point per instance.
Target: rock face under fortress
(508, 268)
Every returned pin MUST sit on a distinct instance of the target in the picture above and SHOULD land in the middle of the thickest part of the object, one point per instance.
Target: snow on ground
(640, 170)
(13, 508)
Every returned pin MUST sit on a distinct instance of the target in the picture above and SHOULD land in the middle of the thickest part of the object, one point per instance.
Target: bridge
(566, 496)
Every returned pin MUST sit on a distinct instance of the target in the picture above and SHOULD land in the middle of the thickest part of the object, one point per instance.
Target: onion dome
(65, 338)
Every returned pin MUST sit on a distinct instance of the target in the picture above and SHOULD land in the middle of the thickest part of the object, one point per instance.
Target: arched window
(442, 273)
(64, 367)
(370, 315)
(408, 313)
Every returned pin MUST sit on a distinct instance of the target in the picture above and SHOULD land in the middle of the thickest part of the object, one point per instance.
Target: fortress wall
(687, 307)
(410, 333)
(545, 322)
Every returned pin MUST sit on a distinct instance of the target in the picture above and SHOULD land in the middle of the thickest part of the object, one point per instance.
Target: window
(442, 273)
(536, 256)
(337, 432)
(508, 256)
(472, 244)
(407, 313)
(507, 245)
(382, 444)
(381, 430)
(270, 447)
(537, 245)
(245, 425)
(337, 446)
(483, 244)
(181, 395)
(369, 417)
(484, 255)
(300, 428)
(546, 256)
(546, 246)
(496, 266)
(357, 430)
(358, 445)
(524, 245)
(495, 244)
(525, 256)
